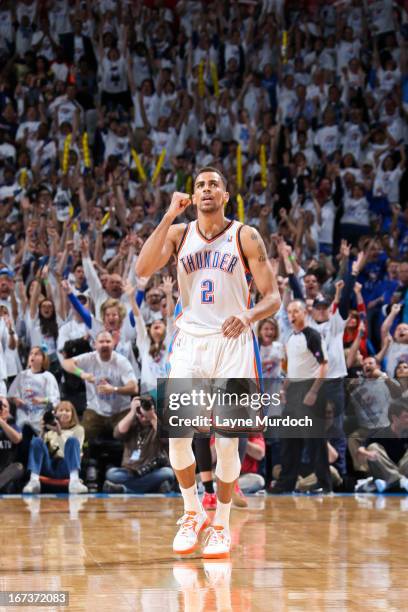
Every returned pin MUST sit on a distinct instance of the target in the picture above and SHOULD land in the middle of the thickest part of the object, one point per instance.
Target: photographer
(57, 453)
(10, 437)
(145, 465)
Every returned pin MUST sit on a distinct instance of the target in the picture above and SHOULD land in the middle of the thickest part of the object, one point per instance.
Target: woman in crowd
(57, 452)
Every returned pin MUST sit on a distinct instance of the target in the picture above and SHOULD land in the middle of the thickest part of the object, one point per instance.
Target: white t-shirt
(117, 372)
(113, 75)
(356, 211)
(46, 49)
(151, 106)
(27, 386)
(381, 16)
(115, 145)
(124, 346)
(387, 183)
(328, 215)
(4, 340)
(152, 369)
(396, 352)
(346, 51)
(328, 139)
(332, 333)
(371, 399)
(271, 359)
(30, 126)
(351, 141)
(36, 337)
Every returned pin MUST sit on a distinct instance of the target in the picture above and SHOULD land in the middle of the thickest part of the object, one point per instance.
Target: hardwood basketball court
(289, 553)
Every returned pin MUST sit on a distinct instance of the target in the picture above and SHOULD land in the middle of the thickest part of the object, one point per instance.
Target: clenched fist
(179, 203)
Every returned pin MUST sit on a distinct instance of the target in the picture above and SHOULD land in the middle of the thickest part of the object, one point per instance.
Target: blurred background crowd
(106, 109)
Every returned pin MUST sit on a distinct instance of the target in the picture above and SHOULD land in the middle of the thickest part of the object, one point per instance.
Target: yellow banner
(239, 167)
(159, 165)
(85, 150)
(214, 77)
(139, 167)
(105, 218)
(65, 158)
(240, 208)
(262, 162)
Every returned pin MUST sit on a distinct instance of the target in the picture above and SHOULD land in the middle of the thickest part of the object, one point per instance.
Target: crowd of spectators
(108, 107)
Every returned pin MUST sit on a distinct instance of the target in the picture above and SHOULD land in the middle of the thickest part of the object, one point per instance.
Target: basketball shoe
(191, 524)
(218, 543)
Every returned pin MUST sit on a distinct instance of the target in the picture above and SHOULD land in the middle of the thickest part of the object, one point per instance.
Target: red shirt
(251, 465)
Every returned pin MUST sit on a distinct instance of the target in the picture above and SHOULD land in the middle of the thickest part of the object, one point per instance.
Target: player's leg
(202, 452)
(181, 455)
(237, 359)
(194, 518)
(227, 472)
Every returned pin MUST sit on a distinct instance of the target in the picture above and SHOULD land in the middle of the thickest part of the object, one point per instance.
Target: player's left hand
(235, 325)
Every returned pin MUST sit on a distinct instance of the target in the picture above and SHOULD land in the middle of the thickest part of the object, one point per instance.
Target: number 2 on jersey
(207, 292)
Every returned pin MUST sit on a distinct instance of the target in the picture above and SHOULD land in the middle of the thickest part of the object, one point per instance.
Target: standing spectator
(370, 398)
(34, 390)
(307, 359)
(398, 348)
(109, 380)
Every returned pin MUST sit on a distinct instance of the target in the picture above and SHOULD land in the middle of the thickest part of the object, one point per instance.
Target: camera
(49, 417)
(146, 403)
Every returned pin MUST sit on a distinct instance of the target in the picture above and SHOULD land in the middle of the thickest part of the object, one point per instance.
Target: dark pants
(97, 426)
(40, 462)
(292, 448)
(10, 476)
(149, 483)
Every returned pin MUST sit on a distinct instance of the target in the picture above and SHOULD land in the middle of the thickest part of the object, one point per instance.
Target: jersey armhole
(241, 250)
(183, 239)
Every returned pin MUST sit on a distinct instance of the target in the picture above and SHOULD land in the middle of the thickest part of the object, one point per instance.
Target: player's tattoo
(262, 253)
(254, 236)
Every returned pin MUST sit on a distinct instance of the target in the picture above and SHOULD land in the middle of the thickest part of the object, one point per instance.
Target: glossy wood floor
(290, 553)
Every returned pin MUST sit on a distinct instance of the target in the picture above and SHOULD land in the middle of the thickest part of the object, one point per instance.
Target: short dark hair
(397, 407)
(212, 169)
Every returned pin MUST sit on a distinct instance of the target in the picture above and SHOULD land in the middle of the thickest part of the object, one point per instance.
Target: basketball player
(214, 339)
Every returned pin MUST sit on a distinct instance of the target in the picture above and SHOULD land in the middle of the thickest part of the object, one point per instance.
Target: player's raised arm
(163, 242)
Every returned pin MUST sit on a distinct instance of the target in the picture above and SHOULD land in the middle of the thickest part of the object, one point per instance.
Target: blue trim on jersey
(178, 309)
(258, 362)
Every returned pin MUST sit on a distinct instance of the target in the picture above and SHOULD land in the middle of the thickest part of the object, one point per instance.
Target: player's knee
(181, 453)
(228, 463)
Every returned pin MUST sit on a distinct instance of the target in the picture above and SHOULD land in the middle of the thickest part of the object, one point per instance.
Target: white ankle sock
(191, 500)
(34, 477)
(74, 475)
(222, 514)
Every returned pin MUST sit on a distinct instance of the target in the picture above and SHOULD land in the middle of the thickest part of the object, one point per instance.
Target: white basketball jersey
(213, 279)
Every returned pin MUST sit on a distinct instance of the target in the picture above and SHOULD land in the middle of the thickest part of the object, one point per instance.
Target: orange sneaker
(186, 539)
(209, 501)
(218, 543)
